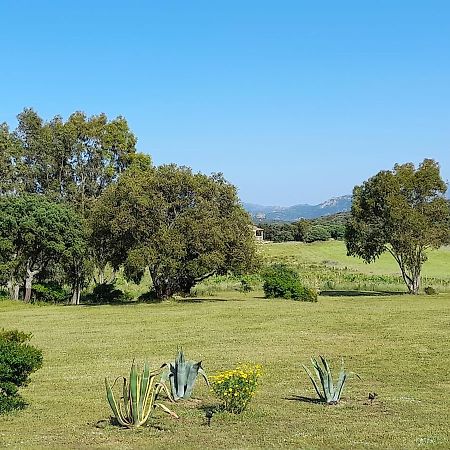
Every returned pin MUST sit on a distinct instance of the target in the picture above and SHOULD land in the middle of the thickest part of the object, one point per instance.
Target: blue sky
(294, 101)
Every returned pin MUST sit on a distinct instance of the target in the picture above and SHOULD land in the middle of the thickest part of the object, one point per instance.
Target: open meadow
(398, 344)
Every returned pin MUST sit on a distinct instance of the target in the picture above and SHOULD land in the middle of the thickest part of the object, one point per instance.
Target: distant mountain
(303, 211)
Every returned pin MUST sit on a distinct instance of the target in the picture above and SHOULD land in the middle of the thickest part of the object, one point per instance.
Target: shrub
(430, 290)
(249, 283)
(235, 388)
(49, 292)
(17, 361)
(107, 293)
(307, 294)
(281, 281)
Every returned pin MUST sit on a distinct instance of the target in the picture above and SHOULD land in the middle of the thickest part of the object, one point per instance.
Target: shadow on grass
(119, 303)
(207, 300)
(360, 293)
(301, 398)
(157, 301)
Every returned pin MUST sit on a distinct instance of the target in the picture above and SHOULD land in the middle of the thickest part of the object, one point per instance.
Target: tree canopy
(72, 160)
(35, 233)
(402, 211)
(183, 226)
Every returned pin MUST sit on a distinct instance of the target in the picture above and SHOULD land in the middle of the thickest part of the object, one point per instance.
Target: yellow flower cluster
(236, 387)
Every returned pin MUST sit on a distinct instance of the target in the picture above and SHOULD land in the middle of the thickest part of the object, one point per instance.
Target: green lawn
(398, 344)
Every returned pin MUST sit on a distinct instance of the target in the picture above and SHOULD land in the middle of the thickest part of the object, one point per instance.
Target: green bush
(280, 281)
(17, 361)
(430, 290)
(317, 233)
(249, 283)
(107, 293)
(50, 293)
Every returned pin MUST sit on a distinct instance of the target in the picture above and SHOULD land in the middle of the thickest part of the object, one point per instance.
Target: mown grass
(398, 344)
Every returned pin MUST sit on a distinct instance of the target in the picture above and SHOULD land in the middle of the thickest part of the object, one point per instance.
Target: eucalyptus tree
(403, 212)
(10, 161)
(72, 160)
(183, 226)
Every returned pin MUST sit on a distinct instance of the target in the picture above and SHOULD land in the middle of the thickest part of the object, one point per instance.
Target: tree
(402, 211)
(71, 161)
(35, 233)
(317, 233)
(9, 156)
(301, 229)
(183, 226)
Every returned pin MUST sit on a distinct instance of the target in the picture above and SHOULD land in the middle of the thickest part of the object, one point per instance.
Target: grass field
(398, 344)
(437, 266)
(326, 266)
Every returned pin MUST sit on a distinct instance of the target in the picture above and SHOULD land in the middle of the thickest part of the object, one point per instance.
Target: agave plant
(139, 397)
(182, 375)
(329, 392)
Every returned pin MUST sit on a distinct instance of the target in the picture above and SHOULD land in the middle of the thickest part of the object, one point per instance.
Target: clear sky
(294, 101)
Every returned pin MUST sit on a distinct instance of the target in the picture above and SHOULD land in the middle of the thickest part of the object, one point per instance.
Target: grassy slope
(399, 345)
(438, 264)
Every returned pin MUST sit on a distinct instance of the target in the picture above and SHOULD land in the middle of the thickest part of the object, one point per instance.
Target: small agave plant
(328, 392)
(182, 375)
(139, 397)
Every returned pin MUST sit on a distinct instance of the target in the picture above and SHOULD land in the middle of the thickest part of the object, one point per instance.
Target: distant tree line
(304, 230)
(75, 196)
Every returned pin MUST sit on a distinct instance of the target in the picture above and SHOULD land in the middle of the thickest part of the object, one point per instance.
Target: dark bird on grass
(372, 396)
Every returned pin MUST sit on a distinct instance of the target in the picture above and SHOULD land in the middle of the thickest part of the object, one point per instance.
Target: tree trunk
(29, 282)
(161, 286)
(414, 284)
(28, 287)
(76, 293)
(13, 289)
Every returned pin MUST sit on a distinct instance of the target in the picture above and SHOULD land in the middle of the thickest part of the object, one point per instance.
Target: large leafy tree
(403, 212)
(36, 233)
(72, 160)
(10, 161)
(183, 226)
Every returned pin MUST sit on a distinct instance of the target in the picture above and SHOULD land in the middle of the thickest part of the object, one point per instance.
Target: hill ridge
(300, 211)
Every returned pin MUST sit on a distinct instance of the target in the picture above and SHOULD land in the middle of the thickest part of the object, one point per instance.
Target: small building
(258, 233)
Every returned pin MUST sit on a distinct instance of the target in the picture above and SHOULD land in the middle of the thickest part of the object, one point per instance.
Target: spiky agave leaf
(313, 381)
(340, 385)
(162, 387)
(195, 368)
(126, 398)
(180, 375)
(322, 377)
(134, 393)
(121, 418)
(329, 386)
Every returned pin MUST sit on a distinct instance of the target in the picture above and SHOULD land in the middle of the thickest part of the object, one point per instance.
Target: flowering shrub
(236, 387)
